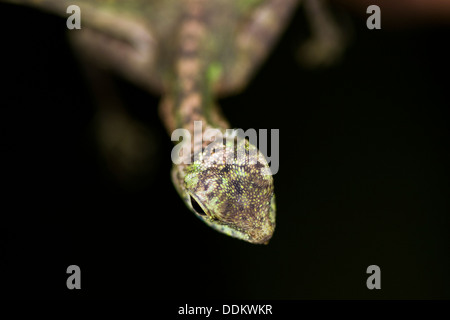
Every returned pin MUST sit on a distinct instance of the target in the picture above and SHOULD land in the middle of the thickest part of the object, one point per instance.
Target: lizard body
(192, 51)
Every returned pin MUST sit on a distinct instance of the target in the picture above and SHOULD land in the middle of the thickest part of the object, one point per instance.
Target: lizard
(191, 52)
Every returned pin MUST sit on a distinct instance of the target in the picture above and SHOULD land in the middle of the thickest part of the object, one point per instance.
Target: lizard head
(231, 191)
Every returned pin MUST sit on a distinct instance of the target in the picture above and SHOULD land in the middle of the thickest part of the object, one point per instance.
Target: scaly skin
(190, 51)
(236, 198)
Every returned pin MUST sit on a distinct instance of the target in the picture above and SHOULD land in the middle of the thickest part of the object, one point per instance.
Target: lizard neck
(189, 96)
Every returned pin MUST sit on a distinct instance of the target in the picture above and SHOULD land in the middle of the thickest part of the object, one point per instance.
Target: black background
(363, 179)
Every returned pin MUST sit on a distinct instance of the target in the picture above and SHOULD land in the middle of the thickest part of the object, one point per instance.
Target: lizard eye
(197, 208)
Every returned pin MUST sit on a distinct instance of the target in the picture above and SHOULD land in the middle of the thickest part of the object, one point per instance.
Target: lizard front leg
(254, 41)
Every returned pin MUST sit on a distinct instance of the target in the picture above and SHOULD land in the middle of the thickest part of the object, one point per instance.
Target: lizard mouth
(260, 235)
